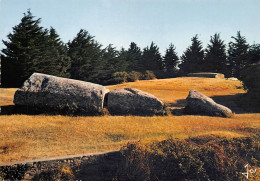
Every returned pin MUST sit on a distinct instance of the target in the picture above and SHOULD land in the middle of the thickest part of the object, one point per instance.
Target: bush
(203, 158)
(119, 77)
(148, 75)
(250, 77)
(60, 173)
(133, 76)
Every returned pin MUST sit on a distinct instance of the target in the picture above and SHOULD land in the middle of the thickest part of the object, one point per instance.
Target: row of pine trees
(31, 48)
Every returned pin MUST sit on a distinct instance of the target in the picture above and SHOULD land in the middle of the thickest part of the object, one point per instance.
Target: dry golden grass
(171, 90)
(26, 137)
(6, 96)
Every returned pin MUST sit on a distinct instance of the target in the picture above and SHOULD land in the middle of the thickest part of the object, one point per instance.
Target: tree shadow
(94, 168)
(29, 110)
(102, 167)
(179, 103)
(12, 109)
(178, 108)
(239, 103)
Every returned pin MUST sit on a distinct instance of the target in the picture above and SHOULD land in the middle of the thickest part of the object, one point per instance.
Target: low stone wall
(207, 75)
(87, 166)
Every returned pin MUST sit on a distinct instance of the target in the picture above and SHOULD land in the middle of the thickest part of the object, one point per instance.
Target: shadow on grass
(238, 103)
(28, 110)
(94, 168)
(180, 103)
(103, 167)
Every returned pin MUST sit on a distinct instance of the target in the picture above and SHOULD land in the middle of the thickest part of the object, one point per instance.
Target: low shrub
(203, 158)
(119, 77)
(60, 173)
(148, 75)
(133, 76)
(199, 158)
(250, 77)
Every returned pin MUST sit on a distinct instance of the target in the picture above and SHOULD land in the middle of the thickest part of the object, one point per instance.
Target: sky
(120, 22)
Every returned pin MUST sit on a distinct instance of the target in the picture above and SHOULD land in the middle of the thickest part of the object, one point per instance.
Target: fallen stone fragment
(133, 101)
(198, 103)
(232, 78)
(51, 92)
(207, 75)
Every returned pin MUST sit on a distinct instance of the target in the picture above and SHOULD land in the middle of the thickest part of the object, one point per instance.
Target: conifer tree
(110, 64)
(215, 58)
(171, 59)
(151, 59)
(134, 54)
(23, 48)
(130, 58)
(55, 61)
(192, 58)
(30, 49)
(254, 53)
(238, 55)
(63, 62)
(113, 64)
(86, 55)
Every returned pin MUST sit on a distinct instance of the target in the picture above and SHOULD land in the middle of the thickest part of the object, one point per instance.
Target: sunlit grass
(171, 90)
(27, 137)
(6, 96)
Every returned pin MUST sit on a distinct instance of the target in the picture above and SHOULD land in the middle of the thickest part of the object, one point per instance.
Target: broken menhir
(56, 93)
(133, 101)
(198, 103)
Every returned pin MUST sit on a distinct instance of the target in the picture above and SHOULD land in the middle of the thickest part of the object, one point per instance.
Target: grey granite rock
(133, 101)
(46, 91)
(198, 103)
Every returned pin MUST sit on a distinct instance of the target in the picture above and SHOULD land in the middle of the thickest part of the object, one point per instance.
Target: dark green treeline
(32, 48)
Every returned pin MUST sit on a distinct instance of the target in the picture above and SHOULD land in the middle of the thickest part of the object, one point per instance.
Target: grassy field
(37, 136)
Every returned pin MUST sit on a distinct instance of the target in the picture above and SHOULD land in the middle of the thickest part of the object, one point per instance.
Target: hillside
(174, 91)
(38, 136)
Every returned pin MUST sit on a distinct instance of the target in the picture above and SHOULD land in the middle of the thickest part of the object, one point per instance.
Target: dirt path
(55, 158)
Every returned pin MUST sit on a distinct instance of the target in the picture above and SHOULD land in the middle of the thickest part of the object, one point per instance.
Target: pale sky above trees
(121, 22)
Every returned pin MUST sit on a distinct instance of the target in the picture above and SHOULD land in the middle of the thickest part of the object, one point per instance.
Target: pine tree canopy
(58, 52)
(23, 46)
(112, 62)
(215, 58)
(171, 59)
(192, 58)
(254, 53)
(134, 54)
(86, 55)
(238, 55)
(30, 48)
(151, 59)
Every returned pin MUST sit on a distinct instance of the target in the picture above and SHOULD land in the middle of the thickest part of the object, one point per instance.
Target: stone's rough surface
(198, 103)
(46, 91)
(207, 74)
(133, 101)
